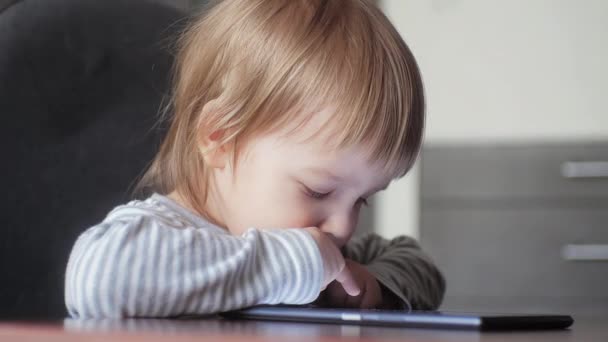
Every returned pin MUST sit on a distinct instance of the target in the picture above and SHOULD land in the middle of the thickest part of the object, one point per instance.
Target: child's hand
(369, 298)
(334, 270)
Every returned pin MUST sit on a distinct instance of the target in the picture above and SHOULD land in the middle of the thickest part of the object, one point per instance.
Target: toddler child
(286, 116)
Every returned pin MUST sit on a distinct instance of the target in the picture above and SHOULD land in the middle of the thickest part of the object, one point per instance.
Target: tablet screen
(405, 319)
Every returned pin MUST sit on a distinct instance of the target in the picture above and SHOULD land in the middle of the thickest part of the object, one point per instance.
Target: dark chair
(81, 83)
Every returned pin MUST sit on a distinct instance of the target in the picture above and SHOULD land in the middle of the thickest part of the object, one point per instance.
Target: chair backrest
(81, 82)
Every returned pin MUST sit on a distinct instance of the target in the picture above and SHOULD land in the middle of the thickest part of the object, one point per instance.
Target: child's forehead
(315, 135)
(312, 127)
(314, 158)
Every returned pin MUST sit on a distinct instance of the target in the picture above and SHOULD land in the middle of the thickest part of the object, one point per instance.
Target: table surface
(211, 329)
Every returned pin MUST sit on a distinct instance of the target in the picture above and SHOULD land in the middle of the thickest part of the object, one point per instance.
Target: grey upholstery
(81, 82)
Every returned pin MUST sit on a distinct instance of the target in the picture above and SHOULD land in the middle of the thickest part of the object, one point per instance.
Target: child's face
(285, 181)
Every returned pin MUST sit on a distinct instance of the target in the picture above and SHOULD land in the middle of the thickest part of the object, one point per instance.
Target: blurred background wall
(516, 92)
(501, 72)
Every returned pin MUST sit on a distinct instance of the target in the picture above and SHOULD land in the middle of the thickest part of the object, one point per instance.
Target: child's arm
(140, 267)
(403, 270)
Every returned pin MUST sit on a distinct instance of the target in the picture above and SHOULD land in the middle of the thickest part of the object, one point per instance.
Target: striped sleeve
(139, 267)
(401, 267)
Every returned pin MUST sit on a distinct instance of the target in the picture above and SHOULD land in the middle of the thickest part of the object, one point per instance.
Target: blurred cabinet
(519, 227)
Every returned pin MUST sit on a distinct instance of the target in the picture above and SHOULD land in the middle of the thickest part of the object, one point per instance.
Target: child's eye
(315, 194)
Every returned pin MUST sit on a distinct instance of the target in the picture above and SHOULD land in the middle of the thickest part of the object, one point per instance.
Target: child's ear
(215, 154)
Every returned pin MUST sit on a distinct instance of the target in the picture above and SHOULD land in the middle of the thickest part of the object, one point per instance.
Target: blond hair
(267, 61)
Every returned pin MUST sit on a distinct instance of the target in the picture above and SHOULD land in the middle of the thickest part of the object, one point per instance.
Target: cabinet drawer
(507, 252)
(520, 172)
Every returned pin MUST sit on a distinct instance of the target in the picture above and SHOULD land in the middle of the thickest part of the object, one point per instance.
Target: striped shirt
(155, 258)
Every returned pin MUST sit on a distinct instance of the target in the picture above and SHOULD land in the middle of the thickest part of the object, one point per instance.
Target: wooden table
(216, 329)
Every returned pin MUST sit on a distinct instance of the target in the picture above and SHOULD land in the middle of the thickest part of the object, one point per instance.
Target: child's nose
(339, 226)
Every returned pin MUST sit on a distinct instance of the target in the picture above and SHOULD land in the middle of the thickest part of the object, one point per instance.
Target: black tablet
(405, 319)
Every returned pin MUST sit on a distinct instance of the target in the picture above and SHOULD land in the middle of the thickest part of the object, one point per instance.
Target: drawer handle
(585, 252)
(589, 169)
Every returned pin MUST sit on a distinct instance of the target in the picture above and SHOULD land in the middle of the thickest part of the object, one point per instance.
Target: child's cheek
(302, 215)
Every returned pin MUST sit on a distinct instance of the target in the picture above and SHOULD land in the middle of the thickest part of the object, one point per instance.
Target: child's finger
(348, 282)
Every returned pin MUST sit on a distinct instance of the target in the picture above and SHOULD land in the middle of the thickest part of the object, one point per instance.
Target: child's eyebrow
(323, 173)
